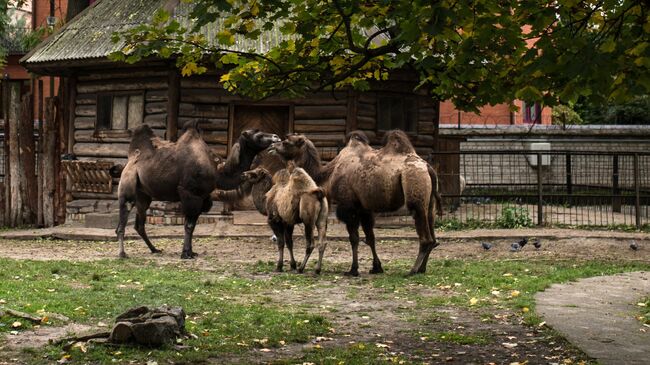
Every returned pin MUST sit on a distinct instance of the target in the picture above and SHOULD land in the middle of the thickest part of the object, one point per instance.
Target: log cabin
(104, 100)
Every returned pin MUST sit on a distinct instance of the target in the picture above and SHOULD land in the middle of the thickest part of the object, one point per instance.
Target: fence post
(540, 206)
(637, 195)
(569, 178)
(616, 191)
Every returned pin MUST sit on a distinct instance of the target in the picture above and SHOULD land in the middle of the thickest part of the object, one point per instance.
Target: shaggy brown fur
(363, 181)
(183, 171)
(256, 181)
(295, 198)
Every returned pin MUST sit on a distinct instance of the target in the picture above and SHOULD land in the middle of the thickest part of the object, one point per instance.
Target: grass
(220, 312)
(645, 311)
(230, 315)
(497, 284)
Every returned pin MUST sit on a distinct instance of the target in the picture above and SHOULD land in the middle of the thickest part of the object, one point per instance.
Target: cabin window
(532, 113)
(397, 112)
(119, 111)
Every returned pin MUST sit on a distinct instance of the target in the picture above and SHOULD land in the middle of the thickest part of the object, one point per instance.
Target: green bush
(514, 217)
(565, 115)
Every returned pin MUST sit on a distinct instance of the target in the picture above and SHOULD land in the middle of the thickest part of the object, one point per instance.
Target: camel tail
(435, 193)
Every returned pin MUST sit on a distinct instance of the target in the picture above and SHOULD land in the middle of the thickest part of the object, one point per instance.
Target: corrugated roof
(88, 36)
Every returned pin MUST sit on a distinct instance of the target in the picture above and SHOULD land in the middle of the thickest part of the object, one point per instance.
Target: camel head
(290, 148)
(257, 140)
(254, 176)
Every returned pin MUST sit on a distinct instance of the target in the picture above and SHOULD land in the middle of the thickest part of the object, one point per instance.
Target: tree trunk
(49, 158)
(13, 121)
(29, 188)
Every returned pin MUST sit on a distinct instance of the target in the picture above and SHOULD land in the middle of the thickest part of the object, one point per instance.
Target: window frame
(112, 94)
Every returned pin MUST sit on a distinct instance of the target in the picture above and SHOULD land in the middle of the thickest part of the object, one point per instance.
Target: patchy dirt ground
(358, 310)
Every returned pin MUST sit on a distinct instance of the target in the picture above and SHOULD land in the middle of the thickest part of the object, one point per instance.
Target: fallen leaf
(473, 301)
(381, 345)
(525, 309)
(514, 293)
(265, 350)
(509, 345)
(641, 304)
(16, 324)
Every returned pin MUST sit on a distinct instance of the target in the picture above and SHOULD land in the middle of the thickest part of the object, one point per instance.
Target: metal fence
(560, 188)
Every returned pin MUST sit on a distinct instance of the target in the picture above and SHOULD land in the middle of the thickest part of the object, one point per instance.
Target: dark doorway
(271, 119)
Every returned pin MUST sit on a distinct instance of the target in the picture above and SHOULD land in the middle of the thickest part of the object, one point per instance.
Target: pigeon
(486, 246)
(634, 246)
(515, 247)
(537, 243)
(523, 242)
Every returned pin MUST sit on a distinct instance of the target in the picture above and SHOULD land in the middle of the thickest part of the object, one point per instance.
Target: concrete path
(598, 315)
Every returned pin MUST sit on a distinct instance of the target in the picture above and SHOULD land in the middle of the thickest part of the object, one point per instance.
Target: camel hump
(141, 139)
(191, 124)
(358, 136)
(397, 141)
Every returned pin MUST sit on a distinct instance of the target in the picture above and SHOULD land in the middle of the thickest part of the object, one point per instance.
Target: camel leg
(142, 203)
(190, 224)
(309, 239)
(321, 247)
(279, 231)
(121, 226)
(427, 242)
(368, 224)
(288, 239)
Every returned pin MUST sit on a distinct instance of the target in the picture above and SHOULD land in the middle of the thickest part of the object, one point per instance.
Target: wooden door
(271, 119)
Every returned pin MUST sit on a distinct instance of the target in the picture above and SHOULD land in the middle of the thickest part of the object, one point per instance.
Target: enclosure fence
(559, 188)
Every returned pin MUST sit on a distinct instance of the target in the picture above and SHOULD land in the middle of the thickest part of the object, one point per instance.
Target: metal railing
(572, 188)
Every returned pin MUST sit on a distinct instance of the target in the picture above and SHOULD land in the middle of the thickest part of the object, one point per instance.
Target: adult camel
(363, 181)
(182, 171)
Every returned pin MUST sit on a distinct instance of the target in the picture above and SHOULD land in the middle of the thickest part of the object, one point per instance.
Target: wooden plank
(325, 139)
(320, 112)
(155, 95)
(352, 105)
(367, 110)
(208, 124)
(126, 73)
(156, 120)
(85, 110)
(84, 122)
(127, 84)
(203, 110)
(220, 150)
(71, 99)
(425, 128)
(366, 122)
(86, 99)
(201, 82)
(173, 99)
(426, 114)
(215, 137)
(367, 97)
(90, 135)
(306, 128)
(203, 95)
(102, 149)
(155, 107)
(323, 98)
(332, 122)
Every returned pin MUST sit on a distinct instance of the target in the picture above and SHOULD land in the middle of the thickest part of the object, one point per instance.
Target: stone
(102, 220)
(149, 326)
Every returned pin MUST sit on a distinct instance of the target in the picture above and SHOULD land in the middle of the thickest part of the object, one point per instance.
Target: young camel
(363, 181)
(295, 198)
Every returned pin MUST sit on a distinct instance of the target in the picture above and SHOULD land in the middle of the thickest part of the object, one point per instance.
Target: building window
(118, 111)
(532, 113)
(397, 112)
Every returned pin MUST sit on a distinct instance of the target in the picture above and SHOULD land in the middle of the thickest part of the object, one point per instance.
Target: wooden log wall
(323, 118)
(114, 146)
(201, 98)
